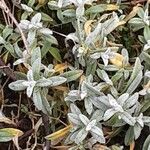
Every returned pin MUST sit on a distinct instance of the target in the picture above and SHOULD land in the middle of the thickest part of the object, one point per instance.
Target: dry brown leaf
(41, 2)
(62, 147)
(59, 133)
(82, 78)
(60, 67)
(117, 60)
(62, 88)
(131, 15)
(100, 147)
(87, 26)
(111, 7)
(132, 145)
(6, 120)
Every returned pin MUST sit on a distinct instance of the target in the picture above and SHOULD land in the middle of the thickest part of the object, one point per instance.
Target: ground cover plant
(75, 74)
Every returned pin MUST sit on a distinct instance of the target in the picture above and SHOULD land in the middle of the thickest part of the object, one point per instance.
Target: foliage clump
(81, 69)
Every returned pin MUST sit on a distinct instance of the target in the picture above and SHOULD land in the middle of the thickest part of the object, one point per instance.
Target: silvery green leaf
(109, 113)
(36, 67)
(36, 18)
(73, 133)
(17, 85)
(75, 109)
(46, 17)
(126, 74)
(10, 48)
(136, 70)
(147, 74)
(110, 68)
(97, 130)
(109, 25)
(114, 103)
(98, 115)
(76, 2)
(74, 118)
(143, 92)
(53, 5)
(8, 31)
(93, 36)
(106, 56)
(69, 13)
(129, 137)
(146, 145)
(96, 9)
(17, 50)
(88, 105)
(2, 41)
(104, 100)
(44, 82)
(57, 80)
(46, 31)
(115, 122)
(131, 100)
(83, 94)
(137, 130)
(80, 11)
(30, 86)
(147, 33)
(81, 136)
(146, 17)
(144, 55)
(103, 75)
(31, 2)
(140, 12)
(135, 83)
(146, 120)
(31, 36)
(46, 106)
(142, 39)
(96, 56)
(60, 3)
(73, 95)
(115, 147)
(145, 105)
(127, 118)
(114, 91)
(30, 75)
(84, 119)
(37, 99)
(36, 53)
(122, 99)
(20, 75)
(92, 90)
(24, 24)
(19, 61)
(136, 23)
(97, 134)
(35, 26)
(91, 125)
(27, 8)
(99, 104)
(115, 78)
(72, 75)
(124, 53)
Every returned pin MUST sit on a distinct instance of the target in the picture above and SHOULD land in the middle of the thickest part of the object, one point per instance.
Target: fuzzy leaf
(146, 145)
(72, 75)
(59, 133)
(44, 83)
(7, 134)
(81, 136)
(17, 85)
(57, 80)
